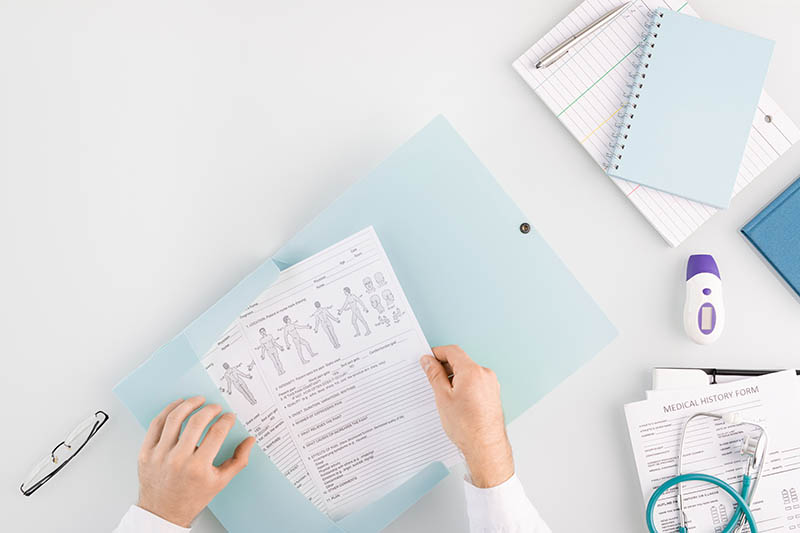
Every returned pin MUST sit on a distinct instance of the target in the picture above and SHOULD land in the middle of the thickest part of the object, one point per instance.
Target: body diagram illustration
(354, 304)
(292, 330)
(269, 346)
(322, 317)
(368, 285)
(234, 379)
(396, 311)
(389, 297)
(375, 301)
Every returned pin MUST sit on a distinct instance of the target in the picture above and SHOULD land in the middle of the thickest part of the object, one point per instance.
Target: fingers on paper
(454, 356)
(156, 427)
(215, 437)
(195, 427)
(174, 421)
(436, 373)
(239, 460)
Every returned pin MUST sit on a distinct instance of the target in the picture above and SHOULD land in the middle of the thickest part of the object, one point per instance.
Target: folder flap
(256, 496)
(152, 380)
(472, 277)
(260, 494)
(206, 329)
(383, 512)
(157, 381)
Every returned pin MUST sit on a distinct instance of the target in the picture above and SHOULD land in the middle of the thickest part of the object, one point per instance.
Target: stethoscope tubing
(683, 478)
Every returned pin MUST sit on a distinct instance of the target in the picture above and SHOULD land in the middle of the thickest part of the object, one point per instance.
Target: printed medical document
(323, 368)
(714, 447)
(231, 365)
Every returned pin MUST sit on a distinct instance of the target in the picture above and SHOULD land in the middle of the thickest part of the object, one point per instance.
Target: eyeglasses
(63, 453)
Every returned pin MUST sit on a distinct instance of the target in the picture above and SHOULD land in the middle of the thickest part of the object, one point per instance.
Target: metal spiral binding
(634, 87)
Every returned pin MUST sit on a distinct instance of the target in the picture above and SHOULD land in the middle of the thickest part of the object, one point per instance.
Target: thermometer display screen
(705, 318)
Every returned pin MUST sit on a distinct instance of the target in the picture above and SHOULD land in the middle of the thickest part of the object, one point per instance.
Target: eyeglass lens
(65, 450)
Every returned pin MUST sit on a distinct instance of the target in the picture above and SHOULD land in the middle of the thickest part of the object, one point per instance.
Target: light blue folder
(472, 278)
(691, 108)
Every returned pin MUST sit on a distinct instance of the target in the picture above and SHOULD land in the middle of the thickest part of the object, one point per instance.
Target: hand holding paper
(471, 413)
(346, 413)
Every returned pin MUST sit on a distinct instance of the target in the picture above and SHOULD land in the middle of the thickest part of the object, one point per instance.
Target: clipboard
(686, 378)
(475, 272)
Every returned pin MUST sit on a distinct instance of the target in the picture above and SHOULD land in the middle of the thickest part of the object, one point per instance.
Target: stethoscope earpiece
(750, 446)
(734, 418)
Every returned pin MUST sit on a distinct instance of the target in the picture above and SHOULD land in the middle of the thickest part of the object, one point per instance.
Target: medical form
(323, 369)
(713, 447)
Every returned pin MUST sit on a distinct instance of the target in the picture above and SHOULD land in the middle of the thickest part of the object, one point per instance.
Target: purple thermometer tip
(700, 263)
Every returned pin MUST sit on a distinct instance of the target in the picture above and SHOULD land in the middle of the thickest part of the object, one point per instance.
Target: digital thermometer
(704, 312)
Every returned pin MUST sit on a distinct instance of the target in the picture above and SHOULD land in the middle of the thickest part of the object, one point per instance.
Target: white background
(152, 153)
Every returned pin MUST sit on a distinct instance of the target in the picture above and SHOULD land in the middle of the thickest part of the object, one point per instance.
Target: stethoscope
(755, 449)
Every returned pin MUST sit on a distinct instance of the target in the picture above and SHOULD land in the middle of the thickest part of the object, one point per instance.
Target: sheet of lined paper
(586, 89)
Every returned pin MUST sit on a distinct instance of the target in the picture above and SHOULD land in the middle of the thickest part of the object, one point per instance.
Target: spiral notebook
(690, 108)
(585, 92)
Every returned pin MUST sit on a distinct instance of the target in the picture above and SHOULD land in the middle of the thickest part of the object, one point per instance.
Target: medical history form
(323, 369)
(714, 447)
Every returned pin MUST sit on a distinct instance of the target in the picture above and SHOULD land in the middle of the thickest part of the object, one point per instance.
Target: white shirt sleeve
(502, 509)
(137, 520)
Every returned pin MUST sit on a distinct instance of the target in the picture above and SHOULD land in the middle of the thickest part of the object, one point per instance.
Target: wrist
(490, 465)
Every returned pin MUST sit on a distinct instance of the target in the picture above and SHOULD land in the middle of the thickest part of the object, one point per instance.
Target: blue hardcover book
(775, 233)
(690, 109)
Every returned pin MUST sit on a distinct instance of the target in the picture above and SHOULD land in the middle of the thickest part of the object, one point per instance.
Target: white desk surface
(152, 153)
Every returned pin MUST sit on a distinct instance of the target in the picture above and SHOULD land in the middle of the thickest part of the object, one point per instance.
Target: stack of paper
(323, 369)
(713, 447)
(586, 91)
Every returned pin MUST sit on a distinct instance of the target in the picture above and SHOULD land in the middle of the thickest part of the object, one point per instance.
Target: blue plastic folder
(691, 107)
(472, 278)
(775, 233)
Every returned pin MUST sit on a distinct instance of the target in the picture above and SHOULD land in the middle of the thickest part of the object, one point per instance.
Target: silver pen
(561, 50)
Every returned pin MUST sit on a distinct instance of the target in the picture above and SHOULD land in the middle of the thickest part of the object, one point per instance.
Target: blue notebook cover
(775, 233)
(690, 109)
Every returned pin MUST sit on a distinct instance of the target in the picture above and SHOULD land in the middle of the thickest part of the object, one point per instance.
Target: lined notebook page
(586, 89)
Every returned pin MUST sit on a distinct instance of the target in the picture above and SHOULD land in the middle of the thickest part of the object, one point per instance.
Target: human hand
(471, 413)
(177, 479)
